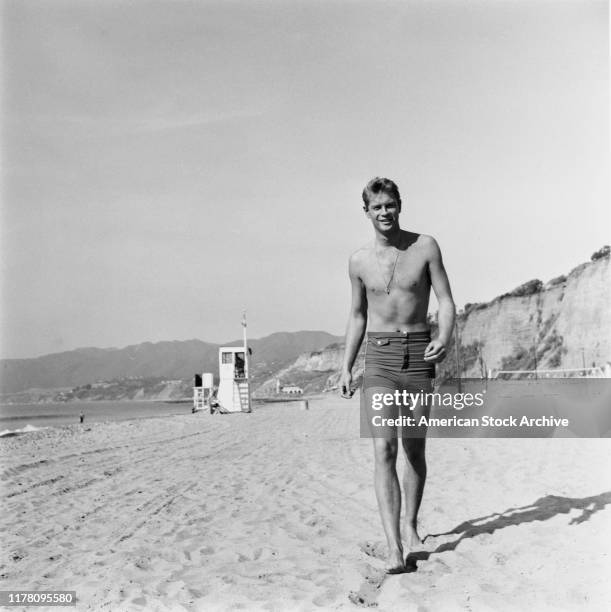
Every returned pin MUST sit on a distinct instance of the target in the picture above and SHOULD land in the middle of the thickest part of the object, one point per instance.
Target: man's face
(383, 212)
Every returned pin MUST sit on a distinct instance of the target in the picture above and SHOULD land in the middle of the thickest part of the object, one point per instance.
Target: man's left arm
(437, 349)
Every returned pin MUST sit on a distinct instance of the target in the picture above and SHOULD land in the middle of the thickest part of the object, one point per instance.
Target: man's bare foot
(395, 564)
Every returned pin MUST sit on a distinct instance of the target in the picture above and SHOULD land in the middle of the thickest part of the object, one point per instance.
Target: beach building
(292, 390)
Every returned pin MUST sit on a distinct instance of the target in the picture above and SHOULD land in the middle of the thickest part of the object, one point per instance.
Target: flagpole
(246, 360)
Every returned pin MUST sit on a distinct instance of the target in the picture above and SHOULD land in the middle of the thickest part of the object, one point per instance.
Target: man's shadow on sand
(541, 510)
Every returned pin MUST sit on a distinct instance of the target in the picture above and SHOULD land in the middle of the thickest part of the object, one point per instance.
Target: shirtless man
(391, 280)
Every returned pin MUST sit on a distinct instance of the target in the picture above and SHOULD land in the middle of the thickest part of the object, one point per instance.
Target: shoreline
(31, 429)
(185, 400)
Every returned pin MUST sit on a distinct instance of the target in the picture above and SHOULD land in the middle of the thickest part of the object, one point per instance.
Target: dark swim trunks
(396, 360)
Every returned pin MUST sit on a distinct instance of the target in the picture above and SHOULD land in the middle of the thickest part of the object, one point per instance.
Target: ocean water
(22, 418)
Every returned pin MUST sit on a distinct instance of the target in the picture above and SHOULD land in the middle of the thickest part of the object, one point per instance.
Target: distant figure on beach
(391, 279)
(82, 417)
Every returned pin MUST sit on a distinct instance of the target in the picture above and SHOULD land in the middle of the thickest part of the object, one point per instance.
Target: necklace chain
(392, 274)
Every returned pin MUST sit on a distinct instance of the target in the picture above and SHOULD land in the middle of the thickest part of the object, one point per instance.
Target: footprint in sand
(500, 559)
(377, 550)
(368, 591)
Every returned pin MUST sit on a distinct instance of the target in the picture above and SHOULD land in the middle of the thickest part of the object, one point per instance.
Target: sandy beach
(275, 510)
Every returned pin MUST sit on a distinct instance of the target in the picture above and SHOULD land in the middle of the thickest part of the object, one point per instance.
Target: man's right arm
(355, 330)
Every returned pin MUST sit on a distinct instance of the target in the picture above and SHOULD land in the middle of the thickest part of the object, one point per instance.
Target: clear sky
(167, 164)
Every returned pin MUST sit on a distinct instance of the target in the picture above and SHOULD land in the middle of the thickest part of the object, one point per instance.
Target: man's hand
(435, 351)
(345, 383)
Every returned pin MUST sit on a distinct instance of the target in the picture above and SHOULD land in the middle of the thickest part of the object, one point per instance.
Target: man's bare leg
(413, 485)
(388, 494)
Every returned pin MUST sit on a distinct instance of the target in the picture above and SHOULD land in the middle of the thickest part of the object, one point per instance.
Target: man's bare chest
(404, 271)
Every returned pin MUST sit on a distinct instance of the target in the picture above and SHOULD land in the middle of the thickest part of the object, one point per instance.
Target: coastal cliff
(562, 324)
(313, 371)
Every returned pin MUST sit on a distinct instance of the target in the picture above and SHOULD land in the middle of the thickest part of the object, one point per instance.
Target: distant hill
(177, 360)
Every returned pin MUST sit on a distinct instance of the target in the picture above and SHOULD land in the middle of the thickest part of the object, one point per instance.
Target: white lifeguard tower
(234, 386)
(233, 393)
(234, 382)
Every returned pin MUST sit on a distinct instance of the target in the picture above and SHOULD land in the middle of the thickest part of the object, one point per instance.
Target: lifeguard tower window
(227, 357)
(239, 365)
